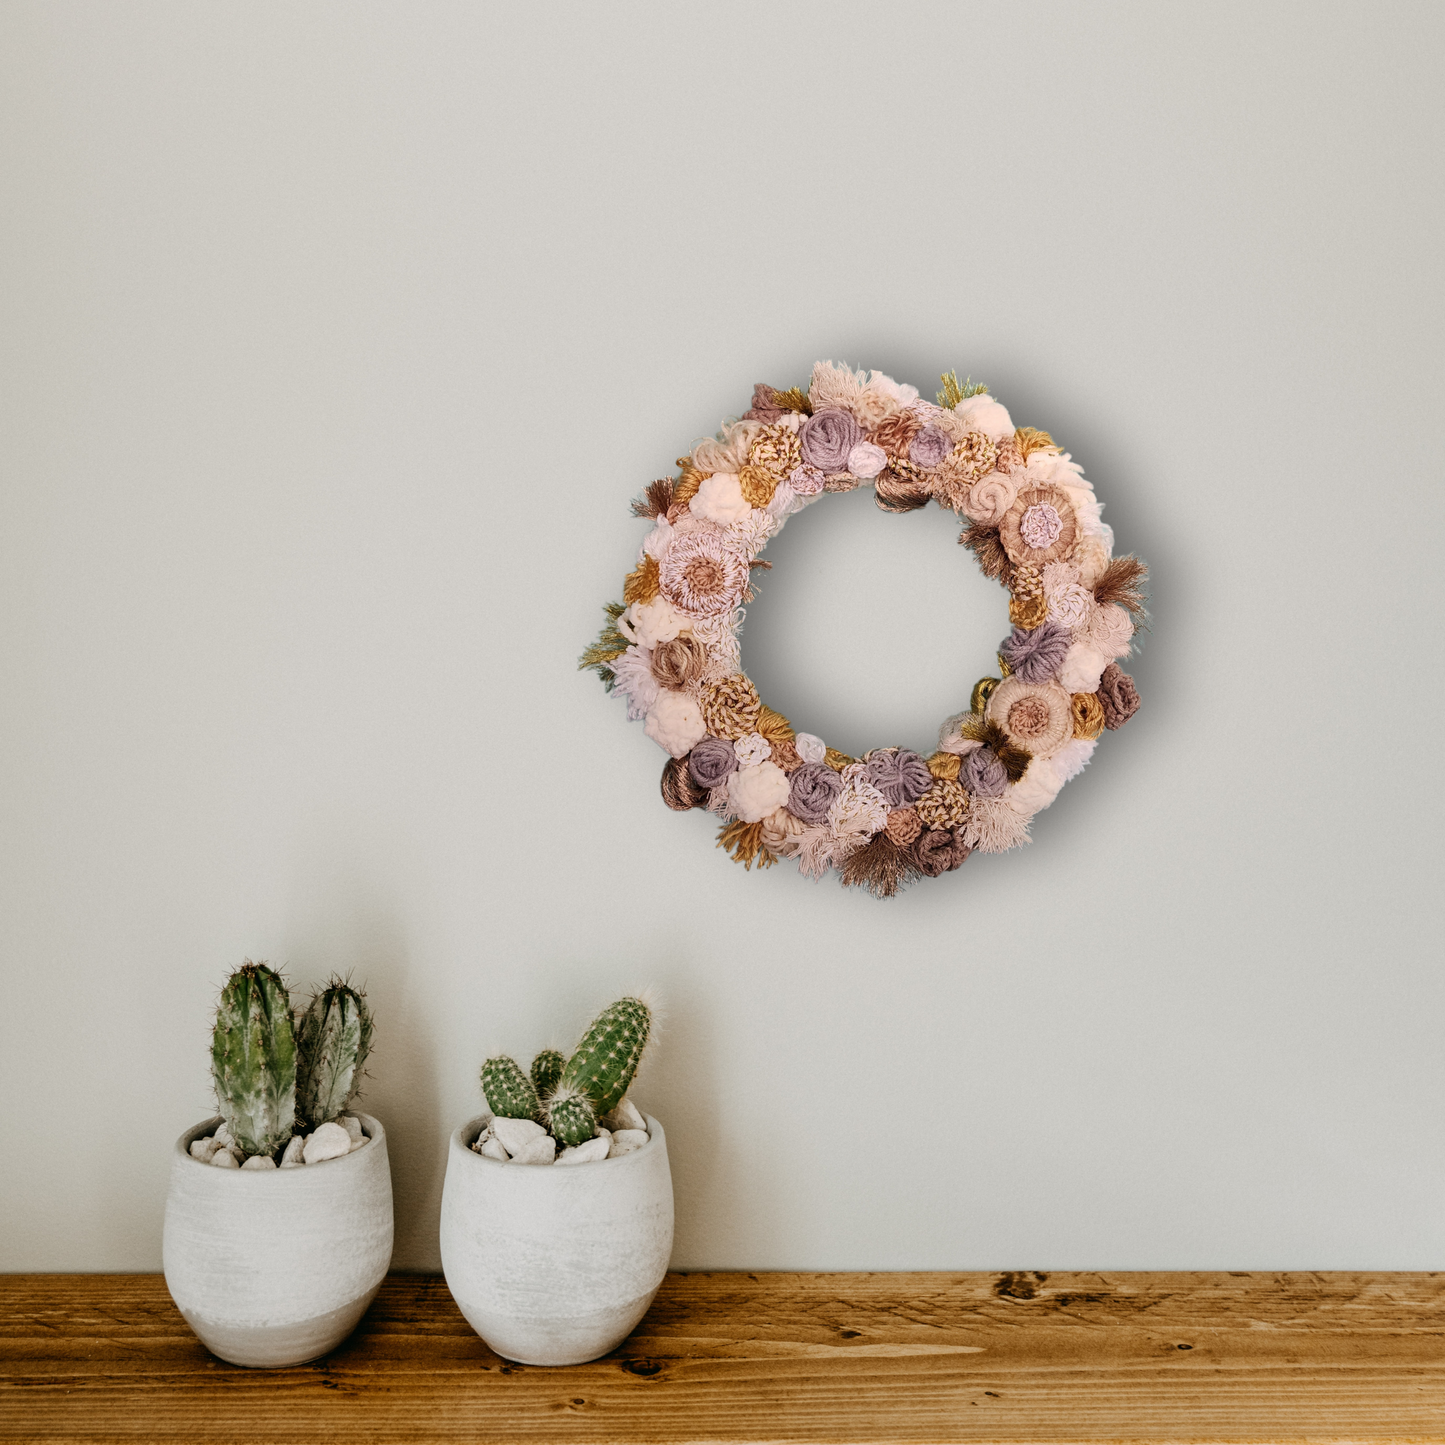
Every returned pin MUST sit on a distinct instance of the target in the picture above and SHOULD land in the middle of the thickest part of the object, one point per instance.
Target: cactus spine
(608, 1056)
(332, 1041)
(571, 1118)
(510, 1093)
(253, 1059)
(547, 1072)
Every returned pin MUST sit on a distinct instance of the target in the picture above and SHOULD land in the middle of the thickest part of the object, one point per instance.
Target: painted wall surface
(336, 341)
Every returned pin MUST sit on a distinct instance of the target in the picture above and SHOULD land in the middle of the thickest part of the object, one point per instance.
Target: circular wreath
(670, 647)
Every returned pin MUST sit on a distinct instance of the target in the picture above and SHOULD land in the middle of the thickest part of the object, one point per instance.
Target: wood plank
(771, 1357)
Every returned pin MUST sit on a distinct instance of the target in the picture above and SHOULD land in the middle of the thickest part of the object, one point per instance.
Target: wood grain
(771, 1357)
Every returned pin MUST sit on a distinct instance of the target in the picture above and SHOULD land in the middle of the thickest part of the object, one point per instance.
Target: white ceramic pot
(275, 1267)
(555, 1264)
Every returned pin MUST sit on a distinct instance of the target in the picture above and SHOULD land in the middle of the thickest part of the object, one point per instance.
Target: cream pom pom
(652, 622)
(720, 499)
(1036, 789)
(1083, 666)
(757, 790)
(1071, 759)
(675, 723)
(658, 540)
(987, 415)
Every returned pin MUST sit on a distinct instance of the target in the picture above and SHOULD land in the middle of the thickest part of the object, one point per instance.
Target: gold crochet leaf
(641, 584)
(955, 391)
(611, 643)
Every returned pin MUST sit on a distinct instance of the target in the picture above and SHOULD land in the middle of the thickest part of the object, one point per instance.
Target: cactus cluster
(275, 1071)
(568, 1095)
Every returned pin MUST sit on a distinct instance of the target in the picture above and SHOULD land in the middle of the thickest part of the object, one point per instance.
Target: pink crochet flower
(702, 575)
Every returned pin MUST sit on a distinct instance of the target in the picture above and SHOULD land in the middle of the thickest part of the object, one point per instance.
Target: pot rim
(461, 1143)
(371, 1126)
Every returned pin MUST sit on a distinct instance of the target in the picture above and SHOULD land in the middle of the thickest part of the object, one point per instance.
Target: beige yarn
(782, 832)
(903, 826)
(777, 451)
(731, 707)
(944, 805)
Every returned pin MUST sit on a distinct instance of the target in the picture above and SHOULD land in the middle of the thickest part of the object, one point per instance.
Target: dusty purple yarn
(710, 762)
(900, 777)
(827, 437)
(1036, 656)
(929, 447)
(982, 774)
(812, 790)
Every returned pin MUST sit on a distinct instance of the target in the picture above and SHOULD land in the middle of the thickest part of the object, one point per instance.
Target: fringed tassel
(744, 843)
(610, 644)
(880, 866)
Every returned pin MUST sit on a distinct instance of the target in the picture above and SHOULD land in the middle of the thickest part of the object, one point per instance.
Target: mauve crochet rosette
(670, 646)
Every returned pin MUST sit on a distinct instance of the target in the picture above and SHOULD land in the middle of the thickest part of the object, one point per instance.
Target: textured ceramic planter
(275, 1267)
(555, 1264)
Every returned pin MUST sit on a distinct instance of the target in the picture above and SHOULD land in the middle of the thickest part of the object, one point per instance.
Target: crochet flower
(651, 622)
(701, 575)
(866, 461)
(806, 481)
(944, 805)
(752, 748)
(988, 499)
(1119, 696)
(710, 762)
(1036, 716)
(1036, 656)
(989, 416)
(756, 790)
(929, 447)
(899, 775)
(812, 790)
(903, 826)
(731, 707)
(675, 723)
(982, 773)
(1070, 605)
(1040, 526)
(858, 808)
(1110, 630)
(935, 853)
(827, 437)
(720, 499)
(811, 749)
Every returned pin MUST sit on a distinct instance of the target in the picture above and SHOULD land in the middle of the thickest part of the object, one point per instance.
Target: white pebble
(539, 1151)
(352, 1125)
(359, 1144)
(224, 1136)
(624, 1141)
(259, 1161)
(292, 1159)
(516, 1134)
(203, 1149)
(224, 1159)
(626, 1116)
(493, 1149)
(330, 1141)
(585, 1153)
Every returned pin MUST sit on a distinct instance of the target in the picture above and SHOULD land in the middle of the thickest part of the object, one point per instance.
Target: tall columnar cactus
(610, 1051)
(510, 1093)
(253, 1059)
(547, 1072)
(332, 1041)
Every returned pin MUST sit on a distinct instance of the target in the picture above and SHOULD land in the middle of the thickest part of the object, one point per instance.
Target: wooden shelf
(771, 1357)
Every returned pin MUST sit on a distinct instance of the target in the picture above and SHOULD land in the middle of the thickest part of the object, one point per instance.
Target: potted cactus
(550, 1264)
(278, 1268)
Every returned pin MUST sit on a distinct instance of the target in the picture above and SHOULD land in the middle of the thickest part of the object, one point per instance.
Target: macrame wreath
(670, 647)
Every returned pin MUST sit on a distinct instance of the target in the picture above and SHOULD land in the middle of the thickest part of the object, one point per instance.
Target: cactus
(547, 1072)
(333, 1039)
(610, 1051)
(253, 1059)
(510, 1093)
(571, 1119)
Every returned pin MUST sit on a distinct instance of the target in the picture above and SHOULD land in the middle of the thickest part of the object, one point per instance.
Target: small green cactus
(547, 1072)
(253, 1059)
(571, 1119)
(510, 1093)
(333, 1038)
(610, 1051)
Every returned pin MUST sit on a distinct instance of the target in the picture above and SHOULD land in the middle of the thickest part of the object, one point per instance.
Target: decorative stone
(224, 1159)
(359, 1144)
(203, 1149)
(493, 1149)
(625, 1116)
(539, 1151)
(330, 1141)
(624, 1141)
(259, 1161)
(585, 1153)
(352, 1125)
(223, 1135)
(516, 1134)
(292, 1159)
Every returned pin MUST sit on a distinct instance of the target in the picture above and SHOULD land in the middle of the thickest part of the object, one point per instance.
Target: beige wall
(335, 341)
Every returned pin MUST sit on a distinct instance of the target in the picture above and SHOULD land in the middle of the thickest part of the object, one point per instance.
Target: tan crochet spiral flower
(757, 485)
(944, 765)
(1035, 715)
(903, 826)
(1040, 526)
(679, 662)
(731, 707)
(777, 451)
(944, 805)
(702, 574)
(971, 460)
(1088, 714)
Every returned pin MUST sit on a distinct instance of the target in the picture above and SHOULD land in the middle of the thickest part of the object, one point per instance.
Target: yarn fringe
(986, 545)
(880, 866)
(1122, 582)
(743, 842)
(1030, 440)
(793, 399)
(655, 501)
